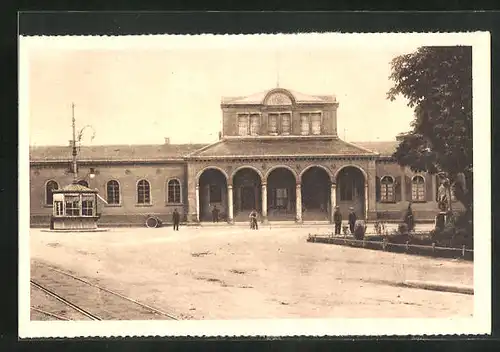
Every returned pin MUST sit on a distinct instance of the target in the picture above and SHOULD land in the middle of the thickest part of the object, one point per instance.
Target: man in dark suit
(176, 219)
(337, 219)
(352, 219)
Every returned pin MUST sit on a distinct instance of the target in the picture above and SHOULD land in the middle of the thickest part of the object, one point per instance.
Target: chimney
(167, 140)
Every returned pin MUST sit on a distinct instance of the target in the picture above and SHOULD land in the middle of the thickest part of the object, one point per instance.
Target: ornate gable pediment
(278, 98)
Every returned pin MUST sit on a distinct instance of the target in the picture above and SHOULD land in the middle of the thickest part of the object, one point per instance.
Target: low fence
(433, 250)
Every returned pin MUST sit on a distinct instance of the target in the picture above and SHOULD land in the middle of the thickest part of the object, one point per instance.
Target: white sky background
(138, 91)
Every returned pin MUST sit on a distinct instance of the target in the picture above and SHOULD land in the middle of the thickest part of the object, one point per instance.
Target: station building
(278, 153)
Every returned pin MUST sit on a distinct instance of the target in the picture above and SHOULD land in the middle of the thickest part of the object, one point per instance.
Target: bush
(359, 230)
(457, 232)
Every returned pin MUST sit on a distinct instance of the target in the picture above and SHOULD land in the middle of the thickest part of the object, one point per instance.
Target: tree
(437, 82)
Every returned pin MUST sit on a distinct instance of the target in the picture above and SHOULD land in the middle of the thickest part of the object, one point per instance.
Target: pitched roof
(280, 147)
(258, 98)
(74, 187)
(143, 152)
(384, 148)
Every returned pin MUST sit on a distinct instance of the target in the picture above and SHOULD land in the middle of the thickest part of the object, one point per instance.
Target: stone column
(197, 197)
(403, 185)
(366, 200)
(264, 202)
(333, 200)
(298, 202)
(230, 204)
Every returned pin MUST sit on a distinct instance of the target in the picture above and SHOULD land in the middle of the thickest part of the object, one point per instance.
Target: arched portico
(212, 194)
(247, 188)
(282, 190)
(316, 197)
(352, 190)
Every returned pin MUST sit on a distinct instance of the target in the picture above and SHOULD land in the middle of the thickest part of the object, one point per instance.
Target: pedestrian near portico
(253, 220)
(352, 219)
(337, 219)
(176, 219)
(215, 214)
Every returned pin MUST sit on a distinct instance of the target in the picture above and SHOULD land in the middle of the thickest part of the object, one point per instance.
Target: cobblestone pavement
(229, 272)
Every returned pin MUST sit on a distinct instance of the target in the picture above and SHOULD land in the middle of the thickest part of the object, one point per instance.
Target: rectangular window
(72, 205)
(243, 125)
(281, 197)
(273, 123)
(387, 193)
(58, 208)
(254, 124)
(88, 205)
(215, 194)
(304, 124)
(285, 123)
(316, 123)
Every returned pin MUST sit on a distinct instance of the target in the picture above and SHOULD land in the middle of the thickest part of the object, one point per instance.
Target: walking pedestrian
(253, 220)
(352, 220)
(337, 219)
(176, 219)
(215, 214)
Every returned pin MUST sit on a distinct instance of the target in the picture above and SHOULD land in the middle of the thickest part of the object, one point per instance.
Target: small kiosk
(74, 208)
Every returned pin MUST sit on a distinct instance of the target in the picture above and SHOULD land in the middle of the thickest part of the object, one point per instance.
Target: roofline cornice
(108, 162)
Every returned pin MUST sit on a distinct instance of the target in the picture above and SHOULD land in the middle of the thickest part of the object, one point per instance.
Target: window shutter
(397, 189)
(377, 189)
(408, 189)
(429, 196)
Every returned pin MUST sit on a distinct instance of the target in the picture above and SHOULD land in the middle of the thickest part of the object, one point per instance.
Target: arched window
(173, 191)
(113, 192)
(143, 192)
(49, 187)
(387, 189)
(418, 189)
(83, 183)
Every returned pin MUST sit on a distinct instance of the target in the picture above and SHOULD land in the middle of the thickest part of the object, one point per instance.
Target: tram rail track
(88, 313)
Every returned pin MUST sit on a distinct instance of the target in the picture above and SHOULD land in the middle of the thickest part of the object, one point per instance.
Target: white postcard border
(480, 323)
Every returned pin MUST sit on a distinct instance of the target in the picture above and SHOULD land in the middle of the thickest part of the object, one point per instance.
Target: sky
(132, 92)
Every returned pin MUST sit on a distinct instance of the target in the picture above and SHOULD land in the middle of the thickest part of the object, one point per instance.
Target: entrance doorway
(248, 195)
(281, 196)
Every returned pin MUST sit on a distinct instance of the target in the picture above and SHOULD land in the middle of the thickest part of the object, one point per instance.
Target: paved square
(236, 273)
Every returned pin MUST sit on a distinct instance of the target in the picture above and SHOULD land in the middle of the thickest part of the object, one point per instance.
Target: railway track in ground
(59, 295)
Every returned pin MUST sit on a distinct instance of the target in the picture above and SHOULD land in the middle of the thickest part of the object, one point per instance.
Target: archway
(281, 194)
(213, 193)
(316, 194)
(247, 188)
(351, 191)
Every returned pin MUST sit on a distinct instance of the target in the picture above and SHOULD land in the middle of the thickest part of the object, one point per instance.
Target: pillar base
(230, 221)
(299, 221)
(265, 220)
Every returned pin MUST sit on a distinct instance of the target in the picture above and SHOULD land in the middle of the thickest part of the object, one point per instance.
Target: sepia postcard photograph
(309, 184)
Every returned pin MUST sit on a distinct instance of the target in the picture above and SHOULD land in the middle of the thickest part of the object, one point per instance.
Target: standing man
(215, 214)
(176, 219)
(352, 219)
(337, 219)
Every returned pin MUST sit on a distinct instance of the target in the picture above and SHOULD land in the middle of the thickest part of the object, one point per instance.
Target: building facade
(278, 153)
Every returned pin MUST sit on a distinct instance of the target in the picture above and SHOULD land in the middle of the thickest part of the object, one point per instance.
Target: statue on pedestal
(443, 199)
